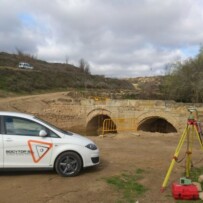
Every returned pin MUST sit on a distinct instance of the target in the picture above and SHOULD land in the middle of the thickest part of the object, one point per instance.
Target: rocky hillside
(147, 87)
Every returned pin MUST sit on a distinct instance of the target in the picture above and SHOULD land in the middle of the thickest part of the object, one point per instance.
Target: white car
(28, 142)
(24, 65)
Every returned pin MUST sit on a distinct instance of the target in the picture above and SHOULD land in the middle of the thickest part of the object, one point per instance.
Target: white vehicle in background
(24, 65)
(28, 142)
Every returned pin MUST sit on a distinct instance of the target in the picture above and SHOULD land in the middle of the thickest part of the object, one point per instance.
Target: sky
(118, 38)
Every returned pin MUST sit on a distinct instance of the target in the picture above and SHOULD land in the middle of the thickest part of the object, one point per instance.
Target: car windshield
(54, 127)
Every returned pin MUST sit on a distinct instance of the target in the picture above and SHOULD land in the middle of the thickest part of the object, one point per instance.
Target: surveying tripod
(193, 128)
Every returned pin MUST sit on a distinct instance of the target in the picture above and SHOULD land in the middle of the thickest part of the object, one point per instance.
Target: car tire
(68, 164)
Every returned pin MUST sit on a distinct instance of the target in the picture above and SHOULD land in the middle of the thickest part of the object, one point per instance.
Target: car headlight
(91, 146)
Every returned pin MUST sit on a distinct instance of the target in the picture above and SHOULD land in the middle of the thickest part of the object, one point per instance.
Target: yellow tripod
(193, 128)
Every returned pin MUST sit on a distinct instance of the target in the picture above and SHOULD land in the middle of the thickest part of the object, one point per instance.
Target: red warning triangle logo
(38, 149)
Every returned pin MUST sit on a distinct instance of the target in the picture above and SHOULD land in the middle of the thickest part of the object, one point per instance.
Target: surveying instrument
(192, 129)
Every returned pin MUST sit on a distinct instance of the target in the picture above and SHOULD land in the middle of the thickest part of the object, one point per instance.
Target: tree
(67, 59)
(184, 83)
(84, 66)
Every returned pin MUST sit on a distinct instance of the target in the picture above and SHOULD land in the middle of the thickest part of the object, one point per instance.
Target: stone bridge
(87, 115)
(148, 115)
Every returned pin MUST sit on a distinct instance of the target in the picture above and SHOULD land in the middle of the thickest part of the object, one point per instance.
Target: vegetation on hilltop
(50, 76)
(182, 83)
(184, 80)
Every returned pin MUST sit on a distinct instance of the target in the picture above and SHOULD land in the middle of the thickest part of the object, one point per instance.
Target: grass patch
(195, 173)
(128, 184)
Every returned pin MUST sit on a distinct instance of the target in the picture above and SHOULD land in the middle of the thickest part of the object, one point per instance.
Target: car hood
(77, 139)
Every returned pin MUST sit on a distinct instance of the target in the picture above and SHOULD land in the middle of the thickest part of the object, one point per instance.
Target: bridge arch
(157, 122)
(94, 121)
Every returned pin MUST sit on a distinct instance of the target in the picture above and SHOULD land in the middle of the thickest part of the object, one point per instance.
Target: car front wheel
(68, 164)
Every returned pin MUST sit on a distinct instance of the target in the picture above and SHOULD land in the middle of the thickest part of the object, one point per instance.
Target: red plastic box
(185, 192)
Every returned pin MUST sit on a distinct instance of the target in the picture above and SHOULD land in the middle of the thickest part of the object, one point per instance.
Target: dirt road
(121, 153)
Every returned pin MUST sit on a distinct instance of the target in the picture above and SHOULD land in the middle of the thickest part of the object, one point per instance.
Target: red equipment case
(185, 192)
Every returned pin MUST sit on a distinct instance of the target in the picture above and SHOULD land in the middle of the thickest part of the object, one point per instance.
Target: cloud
(118, 38)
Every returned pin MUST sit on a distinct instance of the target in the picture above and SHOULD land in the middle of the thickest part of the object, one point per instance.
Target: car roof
(18, 114)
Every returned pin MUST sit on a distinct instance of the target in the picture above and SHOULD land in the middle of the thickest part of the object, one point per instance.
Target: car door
(1, 143)
(23, 147)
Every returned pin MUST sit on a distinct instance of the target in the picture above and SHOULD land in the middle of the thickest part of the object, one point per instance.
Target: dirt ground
(119, 153)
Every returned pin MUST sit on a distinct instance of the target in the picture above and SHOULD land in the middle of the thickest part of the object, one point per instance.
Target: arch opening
(156, 124)
(95, 125)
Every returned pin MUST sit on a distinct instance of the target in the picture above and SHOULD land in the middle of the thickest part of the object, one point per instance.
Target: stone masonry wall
(69, 113)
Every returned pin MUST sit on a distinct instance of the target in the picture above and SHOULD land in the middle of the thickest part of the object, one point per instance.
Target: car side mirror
(42, 133)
